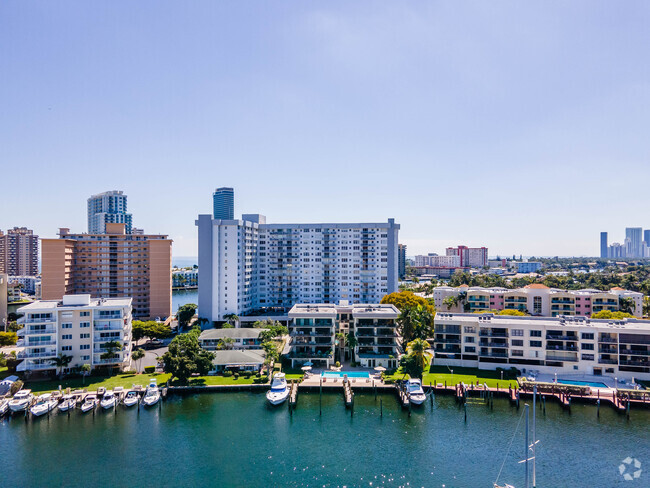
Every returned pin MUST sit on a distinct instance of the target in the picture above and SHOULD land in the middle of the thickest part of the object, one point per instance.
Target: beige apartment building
(76, 326)
(19, 252)
(114, 264)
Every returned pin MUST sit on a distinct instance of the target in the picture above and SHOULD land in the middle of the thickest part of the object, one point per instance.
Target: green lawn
(3, 370)
(217, 380)
(440, 374)
(294, 374)
(93, 382)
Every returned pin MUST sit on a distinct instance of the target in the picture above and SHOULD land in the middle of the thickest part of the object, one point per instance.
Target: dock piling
(381, 407)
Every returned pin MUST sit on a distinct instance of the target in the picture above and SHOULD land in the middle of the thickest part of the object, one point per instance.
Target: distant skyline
(521, 127)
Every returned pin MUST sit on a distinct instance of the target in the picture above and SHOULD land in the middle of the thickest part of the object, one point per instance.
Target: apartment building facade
(433, 260)
(78, 326)
(401, 261)
(109, 265)
(109, 207)
(470, 257)
(313, 329)
(536, 299)
(248, 265)
(242, 338)
(19, 252)
(562, 345)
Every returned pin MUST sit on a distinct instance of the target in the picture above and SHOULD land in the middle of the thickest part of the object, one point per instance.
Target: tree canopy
(185, 356)
(185, 314)
(408, 299)
(150, 329)
(608, 314)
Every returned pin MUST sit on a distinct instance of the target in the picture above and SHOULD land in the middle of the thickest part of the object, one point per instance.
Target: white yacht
(415, 391)
(90, 402)
(4, 407)
(152, 395)
(68, 402)
(108, 400)
(131, 398)
(44, 404)
(279, 391)
(21, 401)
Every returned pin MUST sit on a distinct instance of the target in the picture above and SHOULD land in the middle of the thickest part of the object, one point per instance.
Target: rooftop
(232, 357)
(243, 333)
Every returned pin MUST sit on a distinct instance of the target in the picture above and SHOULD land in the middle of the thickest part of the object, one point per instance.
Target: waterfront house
(237, 360)
(242, 338)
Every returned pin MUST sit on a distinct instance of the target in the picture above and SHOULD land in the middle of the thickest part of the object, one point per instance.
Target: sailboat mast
(527, 445)
(534, 436)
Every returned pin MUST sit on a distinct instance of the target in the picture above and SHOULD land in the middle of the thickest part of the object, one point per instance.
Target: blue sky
(522, 126)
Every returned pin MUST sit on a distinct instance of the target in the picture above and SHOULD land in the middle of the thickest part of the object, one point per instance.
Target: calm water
(235, 439)
(181, 297)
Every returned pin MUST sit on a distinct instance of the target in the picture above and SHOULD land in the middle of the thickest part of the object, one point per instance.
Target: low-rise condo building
(537, 299)
(563, 345)
(241, 338)
(77, 326)
(314, 328)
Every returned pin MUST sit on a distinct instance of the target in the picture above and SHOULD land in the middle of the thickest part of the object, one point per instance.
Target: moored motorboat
(415, 391)
(90, 402)
(279, 391)
(109, 400)
(21, 401)
(4, 407)
(131, 398)
(44, 404)
(68, 402)
(152, 395)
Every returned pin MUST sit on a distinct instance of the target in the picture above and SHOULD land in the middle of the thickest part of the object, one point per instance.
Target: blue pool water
(350, 374)
(582, 383)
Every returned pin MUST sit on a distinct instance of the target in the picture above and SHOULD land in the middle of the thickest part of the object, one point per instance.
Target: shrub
(258, 374)
(338, 364)
(129, 371)
(227, 374)
(236, 376)
(262, 379)
(8, 338)
(149, 369)
(15, 386)
(247, 374)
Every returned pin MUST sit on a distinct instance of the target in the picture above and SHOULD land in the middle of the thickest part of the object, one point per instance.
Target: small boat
(4, 407)
(44, 404)
(415, 391)
(21, 401)
(108, 400)
(279, 391)
(152, 395)
(68, 402)
(131, 398)
(90, 402)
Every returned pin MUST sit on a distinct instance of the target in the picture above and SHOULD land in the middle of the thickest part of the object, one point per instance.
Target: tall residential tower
(223, 204)
(19, 252)
(108, 208)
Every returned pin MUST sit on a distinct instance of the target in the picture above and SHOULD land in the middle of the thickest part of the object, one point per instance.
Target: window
(587, 347)
(84, 314)
(537, 305)
(587, 357)
(535, 333)
(66, 337)
(84, 325)
(468, 329)
(588, 336)
(470, 349)
(518, 352)
(84, 336)
(85, 358)
(518, 342)
(518, 332)
(66, 348)
(66, 326)
(535, 343)
(84, 347)
(469, 339)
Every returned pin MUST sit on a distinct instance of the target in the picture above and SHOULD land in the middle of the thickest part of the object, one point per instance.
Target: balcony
(635, 363)
(550, 347)
(109, 325)
(561, 337)
(552, 357)
(502, 345)
(25, 331)
(608, 361)
(40, 344)
(608, 339)
(31, 354)
(493, 355)
(29, 320)
(607, 350)
(635, 352)
(491, 333)
(562, 301)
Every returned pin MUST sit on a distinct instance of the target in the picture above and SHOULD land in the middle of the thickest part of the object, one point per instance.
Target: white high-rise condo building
(108, 208)
(247, 264)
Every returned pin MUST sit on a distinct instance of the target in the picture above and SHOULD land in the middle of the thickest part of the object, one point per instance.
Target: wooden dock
(293, 394)
(348, 394)
(403, 396)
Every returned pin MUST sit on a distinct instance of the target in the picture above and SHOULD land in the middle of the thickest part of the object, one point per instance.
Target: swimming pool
(583, 383)
(349, 374)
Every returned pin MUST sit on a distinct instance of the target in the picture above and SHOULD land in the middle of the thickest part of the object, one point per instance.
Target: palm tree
(61, 361)
(232, 319)
(340, 336)
(226, 343)
(137, 355)
(111, 347)
(85, 371)
(418, 349)
(352, 343)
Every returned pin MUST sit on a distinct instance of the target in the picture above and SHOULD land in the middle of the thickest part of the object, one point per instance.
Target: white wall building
(249, 265)
(536, 299)
(438, 261)
(30, 283)
(562, 345)
(77, 326)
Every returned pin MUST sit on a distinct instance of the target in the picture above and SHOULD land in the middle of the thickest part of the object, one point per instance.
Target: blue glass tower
(223, 203)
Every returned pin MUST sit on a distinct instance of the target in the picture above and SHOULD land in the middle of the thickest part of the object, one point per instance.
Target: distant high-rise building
(635, 236)
(111, 265)
(3, 302)
(107, 208)
(401, 261)
(470, 257)
(603, 244)
(646, 237)
(223, 204)
(19, 252)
